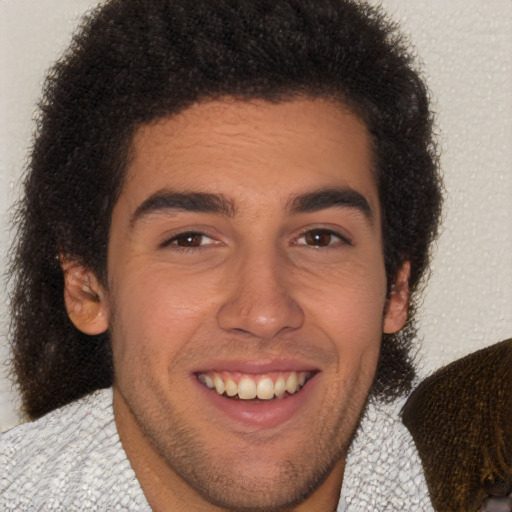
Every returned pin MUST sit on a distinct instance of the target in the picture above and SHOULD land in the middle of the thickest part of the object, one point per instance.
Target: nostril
(260, 317)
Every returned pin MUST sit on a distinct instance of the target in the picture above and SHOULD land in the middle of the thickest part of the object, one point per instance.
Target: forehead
(252, 149)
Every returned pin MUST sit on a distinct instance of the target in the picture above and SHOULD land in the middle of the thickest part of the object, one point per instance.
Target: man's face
(245, 255)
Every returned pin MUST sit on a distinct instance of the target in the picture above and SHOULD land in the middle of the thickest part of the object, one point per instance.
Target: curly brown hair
(134, 61)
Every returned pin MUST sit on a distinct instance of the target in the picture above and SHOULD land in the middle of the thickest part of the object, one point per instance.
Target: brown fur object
(461, 421)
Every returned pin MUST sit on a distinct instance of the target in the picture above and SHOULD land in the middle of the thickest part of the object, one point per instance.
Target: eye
(322, 238)
(188, 240)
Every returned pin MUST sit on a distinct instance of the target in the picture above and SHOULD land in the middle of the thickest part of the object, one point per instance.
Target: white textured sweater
(72, 459)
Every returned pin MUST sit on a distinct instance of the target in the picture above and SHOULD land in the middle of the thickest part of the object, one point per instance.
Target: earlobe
(397, 307)
(85, 298)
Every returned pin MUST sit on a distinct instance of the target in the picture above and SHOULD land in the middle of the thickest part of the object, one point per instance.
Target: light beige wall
(465, 46)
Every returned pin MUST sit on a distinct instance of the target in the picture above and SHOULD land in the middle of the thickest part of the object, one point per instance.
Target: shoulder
(66, 459)
(60, 430)
(383, 470)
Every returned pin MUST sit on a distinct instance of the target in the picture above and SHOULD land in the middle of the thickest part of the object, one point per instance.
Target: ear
(85, 298)
(397, 306)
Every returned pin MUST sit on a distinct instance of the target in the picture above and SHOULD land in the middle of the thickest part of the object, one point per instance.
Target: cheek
(158, 312)
(349, 307)
(356, 290)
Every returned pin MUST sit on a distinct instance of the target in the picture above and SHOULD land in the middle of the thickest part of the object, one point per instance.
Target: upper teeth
(250, 387)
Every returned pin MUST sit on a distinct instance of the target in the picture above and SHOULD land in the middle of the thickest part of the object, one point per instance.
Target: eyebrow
(172, 201)
(169, 201)
(329, 198)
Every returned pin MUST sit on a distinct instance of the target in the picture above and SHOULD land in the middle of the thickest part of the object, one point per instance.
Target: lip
(258, 414)
(257, 367)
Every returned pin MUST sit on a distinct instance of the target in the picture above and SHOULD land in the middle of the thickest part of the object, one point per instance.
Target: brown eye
(318, 238)
(188, 240)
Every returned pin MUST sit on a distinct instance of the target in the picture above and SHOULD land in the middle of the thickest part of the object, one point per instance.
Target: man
(228, 211)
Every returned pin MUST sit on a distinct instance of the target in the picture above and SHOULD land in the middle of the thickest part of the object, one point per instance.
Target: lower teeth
(284, 395)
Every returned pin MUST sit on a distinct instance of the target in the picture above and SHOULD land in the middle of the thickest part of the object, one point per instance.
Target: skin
(263, 282)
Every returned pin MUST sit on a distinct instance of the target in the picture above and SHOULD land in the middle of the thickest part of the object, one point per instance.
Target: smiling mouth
(239, 386)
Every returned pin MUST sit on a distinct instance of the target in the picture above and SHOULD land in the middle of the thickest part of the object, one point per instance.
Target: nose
(260, 301)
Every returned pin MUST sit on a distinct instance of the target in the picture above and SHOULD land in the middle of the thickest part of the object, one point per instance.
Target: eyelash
(344, 240)
(175, 239)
